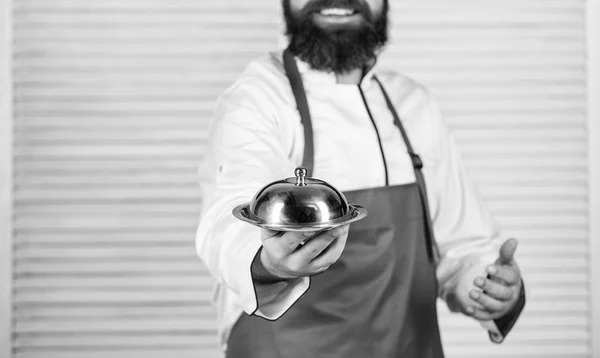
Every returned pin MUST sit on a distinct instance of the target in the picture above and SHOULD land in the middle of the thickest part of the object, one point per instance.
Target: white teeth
(336, 12)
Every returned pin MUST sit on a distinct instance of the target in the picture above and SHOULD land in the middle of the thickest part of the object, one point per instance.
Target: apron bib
(379, 298)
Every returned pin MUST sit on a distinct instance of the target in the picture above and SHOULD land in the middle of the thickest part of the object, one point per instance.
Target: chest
(356, 140)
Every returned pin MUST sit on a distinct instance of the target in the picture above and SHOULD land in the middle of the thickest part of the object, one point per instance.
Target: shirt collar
(329, 77)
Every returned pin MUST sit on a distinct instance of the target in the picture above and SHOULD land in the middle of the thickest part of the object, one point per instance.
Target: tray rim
(362, 213)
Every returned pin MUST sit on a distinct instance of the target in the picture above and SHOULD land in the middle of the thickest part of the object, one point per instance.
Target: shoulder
(258, 104)
(419, 111)
(410, 94)
(260, 85)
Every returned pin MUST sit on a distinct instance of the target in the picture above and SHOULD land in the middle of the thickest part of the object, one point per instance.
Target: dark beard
(337, 51)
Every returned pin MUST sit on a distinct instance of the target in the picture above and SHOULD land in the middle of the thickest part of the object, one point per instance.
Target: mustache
(358, 6)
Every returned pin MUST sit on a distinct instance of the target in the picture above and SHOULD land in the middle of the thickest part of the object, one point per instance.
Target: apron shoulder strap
(416, 160)
(432, 249)
(293, 75)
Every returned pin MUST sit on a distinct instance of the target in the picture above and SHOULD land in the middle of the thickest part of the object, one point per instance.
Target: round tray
(355, 213)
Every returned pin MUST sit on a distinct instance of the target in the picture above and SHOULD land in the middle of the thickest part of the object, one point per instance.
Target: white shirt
(256, 137)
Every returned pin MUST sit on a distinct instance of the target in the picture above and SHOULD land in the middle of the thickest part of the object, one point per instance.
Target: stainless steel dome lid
(299, 203)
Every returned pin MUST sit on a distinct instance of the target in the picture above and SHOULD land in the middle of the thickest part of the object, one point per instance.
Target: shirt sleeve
(466, 235)
(244, 154)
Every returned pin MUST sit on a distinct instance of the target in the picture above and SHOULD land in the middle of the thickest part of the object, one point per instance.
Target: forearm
(231, 250)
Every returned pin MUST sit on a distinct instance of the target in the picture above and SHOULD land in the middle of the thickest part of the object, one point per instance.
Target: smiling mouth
(337, 12)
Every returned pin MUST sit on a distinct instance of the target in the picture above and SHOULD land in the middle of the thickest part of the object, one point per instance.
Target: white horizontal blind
(510, 77)
(112, 102)
(113, 99)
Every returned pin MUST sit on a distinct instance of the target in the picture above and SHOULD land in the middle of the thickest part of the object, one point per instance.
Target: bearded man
(369, 289)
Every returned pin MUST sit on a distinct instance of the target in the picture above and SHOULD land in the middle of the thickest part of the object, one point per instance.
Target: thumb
(507, 252)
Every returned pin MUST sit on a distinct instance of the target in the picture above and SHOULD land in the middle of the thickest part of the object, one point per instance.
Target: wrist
(261, 274)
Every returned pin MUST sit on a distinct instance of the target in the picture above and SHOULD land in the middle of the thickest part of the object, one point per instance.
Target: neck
(352, 77)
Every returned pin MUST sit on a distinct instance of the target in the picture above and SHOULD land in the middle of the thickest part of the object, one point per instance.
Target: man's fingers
(507, 252)
(494, 289)
(474, 306)
(490, 304)
(267, 234)
(480, 314)
(332, 253)
(315, 246)
(283, 243)
(297, 254)
(508, 274)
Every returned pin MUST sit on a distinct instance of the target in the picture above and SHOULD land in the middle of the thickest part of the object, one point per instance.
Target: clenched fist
(288, 255)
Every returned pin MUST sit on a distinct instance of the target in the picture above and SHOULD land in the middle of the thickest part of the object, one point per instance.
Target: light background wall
(112, 100)
(5, 178)
(593, 101)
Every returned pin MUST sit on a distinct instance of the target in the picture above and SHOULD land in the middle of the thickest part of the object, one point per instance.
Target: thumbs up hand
(499, 291)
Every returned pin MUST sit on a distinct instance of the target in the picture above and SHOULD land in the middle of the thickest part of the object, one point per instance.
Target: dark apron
(379, 298)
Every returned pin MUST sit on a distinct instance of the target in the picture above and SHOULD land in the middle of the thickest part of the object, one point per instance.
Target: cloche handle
(300, 176)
